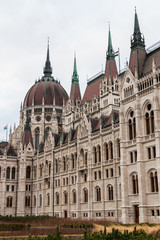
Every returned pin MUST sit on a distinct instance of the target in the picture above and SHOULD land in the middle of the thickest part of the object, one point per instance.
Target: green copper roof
(75, 77)
(47, 69)
(137, 38)
(110, 52)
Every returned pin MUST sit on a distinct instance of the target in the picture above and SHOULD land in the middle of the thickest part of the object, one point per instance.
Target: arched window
(47, 130)
(149, 119)
(37, 132)
(110, 193)
(56, 166)
(8, 173)
(34, 201)
(85, 158)
(154, 181)
(132, 126)
(65, 197)
(72, 161)
(27, 201)
(118, 148)
(40, 200)
(135, 184)
(98, 153)
(13, 172)
(40, 170)
(48, 199)
(64, 164)
(35, 171)
(9, 202)
(106, 151)
(57, 198)
(74, 196)
(28, 172)
(82, 156)
(49, 169)
(110, 150)
(98, 194)
(85, 193)
(94, 155)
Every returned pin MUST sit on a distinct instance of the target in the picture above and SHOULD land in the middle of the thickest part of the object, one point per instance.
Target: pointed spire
(75, 93)
(137, 38)
(47, 69)
(75, 77)
(110, 52)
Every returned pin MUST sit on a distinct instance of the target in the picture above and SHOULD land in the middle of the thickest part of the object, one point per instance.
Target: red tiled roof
(92, 90)
(111, 69)
(137, 59)
(47, 89)
(75, 93)
(27, 137)
(148, 64)
(95, 124)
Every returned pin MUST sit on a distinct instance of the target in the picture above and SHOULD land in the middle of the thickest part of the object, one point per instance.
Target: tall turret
(110, 68)
(75, 93)
(138, 53)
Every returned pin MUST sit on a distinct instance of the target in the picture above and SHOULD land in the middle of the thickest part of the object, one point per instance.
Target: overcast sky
(80, 25)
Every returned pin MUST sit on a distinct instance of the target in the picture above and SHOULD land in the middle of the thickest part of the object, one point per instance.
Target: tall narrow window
(74, 196)
(65, 198)
(98, 153)
(37, 132)
(28, 172)
(135, 184)
(149, 119)
(118, 149)
(106, 152)
(110, 192)
(98, 194)
(72, 159)
(132, 126)
(9, 202)
(152, 182)
(57, 198)
(156, 181)
(13, 172)
(48, 199)
(85, 192)
(94, 154)
(8, 173)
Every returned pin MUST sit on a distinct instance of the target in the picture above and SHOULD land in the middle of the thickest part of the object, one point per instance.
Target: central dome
(46, 91)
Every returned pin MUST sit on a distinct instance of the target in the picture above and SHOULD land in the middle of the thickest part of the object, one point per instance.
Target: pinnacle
(47, 69)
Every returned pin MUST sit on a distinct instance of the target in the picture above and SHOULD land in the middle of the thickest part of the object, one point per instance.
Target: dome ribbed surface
(49, 90)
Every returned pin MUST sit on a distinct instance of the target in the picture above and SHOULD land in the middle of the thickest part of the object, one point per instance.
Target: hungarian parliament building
(95, 156)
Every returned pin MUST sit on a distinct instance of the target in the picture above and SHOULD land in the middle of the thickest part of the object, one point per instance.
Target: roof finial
(75, 77)
(110, 48)
(47, 69)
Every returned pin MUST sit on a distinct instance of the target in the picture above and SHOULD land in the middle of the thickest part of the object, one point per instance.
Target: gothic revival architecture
(91, 156)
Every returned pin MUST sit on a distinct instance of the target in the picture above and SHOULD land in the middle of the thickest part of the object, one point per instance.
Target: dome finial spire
(47, 69)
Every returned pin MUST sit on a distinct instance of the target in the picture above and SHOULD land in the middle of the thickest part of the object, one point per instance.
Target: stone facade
(95, 157)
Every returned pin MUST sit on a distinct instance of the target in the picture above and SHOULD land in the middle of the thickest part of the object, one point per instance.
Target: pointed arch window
(9, 202)
(149, 116)
(65, 197)
(28, 172)
(57, 198)
(98, 194)
(154, 181)
(98, 153)
(135, 184)
(27, 201)
(106, 151)
(94, 154)
(13, 173)
(72, 161)
(37, 132)
(110, 193)
(132, 126)
(110, 150)
(74, 196)
(8, 173)
(85, 193)
(47, 130)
